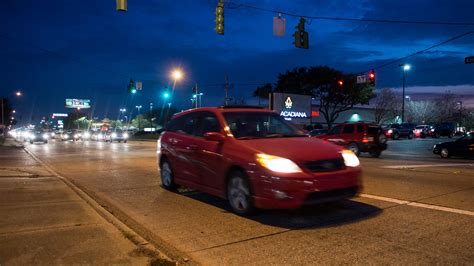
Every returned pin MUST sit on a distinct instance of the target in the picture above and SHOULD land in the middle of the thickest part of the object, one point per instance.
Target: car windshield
(251, 125)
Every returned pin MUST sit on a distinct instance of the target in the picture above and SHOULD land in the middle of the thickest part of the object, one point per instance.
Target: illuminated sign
(78, 103)
(59, 115)
(293, 107)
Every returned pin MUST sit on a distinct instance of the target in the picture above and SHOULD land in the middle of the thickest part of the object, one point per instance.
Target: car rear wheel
(167, 178)
(239, 195)
(354, 148)
(445, 153)
(395, 135)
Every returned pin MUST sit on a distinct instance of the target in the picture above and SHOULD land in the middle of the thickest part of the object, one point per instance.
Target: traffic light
(131, 87)
(301, 36)
(194, 90)
(371, 77)
(122, 5)
(166, 95)
(220, 17)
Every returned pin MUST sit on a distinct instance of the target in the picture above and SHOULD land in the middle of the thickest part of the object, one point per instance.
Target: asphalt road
(416, 208)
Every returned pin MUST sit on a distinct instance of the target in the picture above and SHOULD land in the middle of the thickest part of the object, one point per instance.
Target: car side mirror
(214, 136)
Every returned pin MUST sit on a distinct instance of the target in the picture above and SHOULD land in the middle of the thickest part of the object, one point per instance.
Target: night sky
(57, 49)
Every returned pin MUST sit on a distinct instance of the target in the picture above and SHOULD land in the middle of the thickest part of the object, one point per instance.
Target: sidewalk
(43, 221)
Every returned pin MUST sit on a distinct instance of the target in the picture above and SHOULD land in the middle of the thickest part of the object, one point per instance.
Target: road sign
(361, 79)
(469, 60)
(139, 85)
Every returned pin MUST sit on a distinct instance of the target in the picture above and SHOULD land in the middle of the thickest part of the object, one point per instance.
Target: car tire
(239, 194)
(410, 135)
(354, 147)
(382, 139)
(445, 153)
(31, 142)
(395, 135)
(375, 153)
(45, 141)
(124, 141)
(167, 177)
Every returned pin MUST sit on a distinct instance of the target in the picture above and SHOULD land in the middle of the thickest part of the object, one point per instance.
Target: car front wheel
(167, 179)
(445, 153)
(239, 195)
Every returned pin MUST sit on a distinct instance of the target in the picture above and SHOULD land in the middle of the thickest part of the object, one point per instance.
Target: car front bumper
(276, 192)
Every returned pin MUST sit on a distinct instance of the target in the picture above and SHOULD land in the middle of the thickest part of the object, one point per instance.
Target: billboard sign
(78, 103)
(293, 107)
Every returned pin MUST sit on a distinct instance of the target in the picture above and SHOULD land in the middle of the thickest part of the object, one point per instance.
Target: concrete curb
(126, 231)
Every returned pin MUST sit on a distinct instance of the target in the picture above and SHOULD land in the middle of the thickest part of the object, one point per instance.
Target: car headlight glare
(350, 159)
(125, 135)
(114, 135)
(87, 135)
(45, 136)
(277, 164)
(390, 131)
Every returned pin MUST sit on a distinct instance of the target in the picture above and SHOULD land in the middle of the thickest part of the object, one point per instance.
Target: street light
(405, 68)
(18, 93)
(177, 74)
(138, 108)
(460, 112)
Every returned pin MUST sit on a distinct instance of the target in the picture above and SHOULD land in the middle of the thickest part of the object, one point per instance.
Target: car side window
(335, 130)
(360, 128)
(184, 124)
(348, 129)
(207, 122)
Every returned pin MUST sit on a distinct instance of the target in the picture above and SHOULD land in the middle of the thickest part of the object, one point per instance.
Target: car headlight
(76, 136)
(45, 136)
(390, 131)
(114, 135)
(277, 164)
(350, 159)
(66, 136)
(87, 135)
(432, 130)
(125, 135)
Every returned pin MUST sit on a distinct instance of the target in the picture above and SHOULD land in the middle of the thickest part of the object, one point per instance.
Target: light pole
(405, 68)
(18, 94)
(460, 112)
(138, 112)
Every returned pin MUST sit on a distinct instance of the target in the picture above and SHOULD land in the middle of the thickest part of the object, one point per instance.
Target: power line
(422, 51)
(235, 5)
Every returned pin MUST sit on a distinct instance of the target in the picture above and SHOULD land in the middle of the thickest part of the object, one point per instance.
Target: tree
(421, 111)
(116, 124)
(263, 92)
(82, 123)
(322, 83)
(7, 112)
(386, 106)
(446, 107)
(71, 117)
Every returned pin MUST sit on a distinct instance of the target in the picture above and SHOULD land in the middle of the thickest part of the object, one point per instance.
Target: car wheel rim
(239, 194)
(353, 148)
(444, 152)
(166, 174)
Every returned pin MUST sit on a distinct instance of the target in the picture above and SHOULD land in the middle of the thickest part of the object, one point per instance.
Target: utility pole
(226, 99)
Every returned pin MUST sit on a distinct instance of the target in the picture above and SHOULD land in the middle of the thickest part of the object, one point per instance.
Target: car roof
(231, 108)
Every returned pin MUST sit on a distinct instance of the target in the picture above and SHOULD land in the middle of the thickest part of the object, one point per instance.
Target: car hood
(297, 149)
(445, 143)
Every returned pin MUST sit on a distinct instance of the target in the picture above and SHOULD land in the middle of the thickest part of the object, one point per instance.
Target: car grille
(332, 195)
(325, 165)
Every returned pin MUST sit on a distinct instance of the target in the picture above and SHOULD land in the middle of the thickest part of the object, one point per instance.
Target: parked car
(442, 129)
(403, 130)
(254, 158)
(358, 137)
(421, 131)
(463, 147)
(317, 132)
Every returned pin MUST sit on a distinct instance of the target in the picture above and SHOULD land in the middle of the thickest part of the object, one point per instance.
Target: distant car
(98, 136)
(37, 136)
(463, 147)
(87, 135)
(253, 158)
(317, 132)
(403, 130)
(442, 129)
(421, 131)
(116, 135)
(358, 137)
(67, 135)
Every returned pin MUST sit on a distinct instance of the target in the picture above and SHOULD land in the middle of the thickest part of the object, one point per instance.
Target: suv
(254, 158)
(396, 131)
(358, 137)
(443, 129)
(422, 131)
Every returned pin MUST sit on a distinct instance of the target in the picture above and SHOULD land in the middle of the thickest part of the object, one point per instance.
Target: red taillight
(365, 140)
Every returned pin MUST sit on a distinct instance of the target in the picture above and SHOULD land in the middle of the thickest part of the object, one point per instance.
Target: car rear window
(372, 130)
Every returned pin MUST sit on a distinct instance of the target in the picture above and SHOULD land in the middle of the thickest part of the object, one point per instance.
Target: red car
(253, 158)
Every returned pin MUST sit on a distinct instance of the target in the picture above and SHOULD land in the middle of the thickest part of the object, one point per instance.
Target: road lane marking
(417, 204)
(405, 166)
